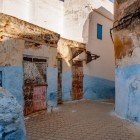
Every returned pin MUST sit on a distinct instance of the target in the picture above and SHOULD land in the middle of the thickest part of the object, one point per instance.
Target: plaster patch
(128, 92)
(67, 86)
(11, 117)
(52, 90)
(12, 80)
(96, 88)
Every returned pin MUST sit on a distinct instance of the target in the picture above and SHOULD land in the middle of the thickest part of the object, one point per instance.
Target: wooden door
(77, 82)
(35, 86)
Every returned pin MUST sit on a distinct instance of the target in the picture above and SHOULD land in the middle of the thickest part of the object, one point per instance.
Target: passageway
(80, 120)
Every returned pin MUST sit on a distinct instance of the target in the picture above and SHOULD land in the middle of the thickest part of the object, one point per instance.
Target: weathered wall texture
(11, 118)
(11, 51)
(50, 54)
(65, 47)
(127, 53)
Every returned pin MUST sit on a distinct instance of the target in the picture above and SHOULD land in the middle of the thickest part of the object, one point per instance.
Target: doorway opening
(35, 84)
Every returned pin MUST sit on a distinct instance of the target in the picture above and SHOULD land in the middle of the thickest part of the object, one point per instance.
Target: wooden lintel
(72, 44)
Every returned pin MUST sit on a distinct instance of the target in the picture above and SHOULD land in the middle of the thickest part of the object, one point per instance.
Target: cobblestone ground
(83, 120)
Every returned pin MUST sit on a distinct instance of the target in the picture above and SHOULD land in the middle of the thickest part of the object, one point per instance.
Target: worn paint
(52, 90)
(11, 117)
(128, 92)
(67, 86)
(39, 97)
(11, 51)
(127, 50)
(12, 78)
(34, 84)
(96, 88)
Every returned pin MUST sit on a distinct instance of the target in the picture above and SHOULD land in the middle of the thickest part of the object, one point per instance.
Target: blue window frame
(99, 31)
(0, 78)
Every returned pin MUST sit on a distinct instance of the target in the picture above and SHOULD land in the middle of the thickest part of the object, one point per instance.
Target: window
(0, 78)
(99, 31)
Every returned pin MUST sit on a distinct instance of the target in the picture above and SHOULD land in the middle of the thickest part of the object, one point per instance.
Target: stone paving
(82, 120)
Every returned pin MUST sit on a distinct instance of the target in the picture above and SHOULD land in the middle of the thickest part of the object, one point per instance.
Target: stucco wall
(66, 82)
(48, 14)
(11, 51)
(127, 50)
(11, 7)
(105, 65)
(11, 122)
(11, 117)
(99, 74)
(45, 13)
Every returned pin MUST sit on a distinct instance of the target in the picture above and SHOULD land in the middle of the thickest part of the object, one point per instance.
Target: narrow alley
(69, 69)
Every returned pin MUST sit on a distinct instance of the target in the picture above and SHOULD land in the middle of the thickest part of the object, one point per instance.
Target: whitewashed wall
(48, 14)
(45, 13)
(17, 8)
(75, 14)
(105, 65)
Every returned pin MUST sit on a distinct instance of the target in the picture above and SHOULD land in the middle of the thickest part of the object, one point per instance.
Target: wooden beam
(72, 44)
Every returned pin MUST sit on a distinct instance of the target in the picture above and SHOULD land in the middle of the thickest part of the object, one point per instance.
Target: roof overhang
(71, 43)
(16, 28)
(69, 49)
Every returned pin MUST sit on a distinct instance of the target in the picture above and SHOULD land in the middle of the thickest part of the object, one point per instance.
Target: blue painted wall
(96, 88)
(128, 92)
(11, 121)
(12, 78)
(52, 90)
(67, 86)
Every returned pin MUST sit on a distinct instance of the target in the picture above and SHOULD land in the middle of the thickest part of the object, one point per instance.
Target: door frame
(73, 98)
(32, 58)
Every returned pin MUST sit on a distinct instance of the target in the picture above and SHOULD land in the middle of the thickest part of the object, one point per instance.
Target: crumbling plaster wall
(11, 7)
(127, 52)
(11, 110)
(11, 117)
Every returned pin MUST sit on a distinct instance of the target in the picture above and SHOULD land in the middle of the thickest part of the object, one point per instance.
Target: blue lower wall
(67, 86)
(52, 90)
(128, 92)
(12, 78)
(96, 88)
